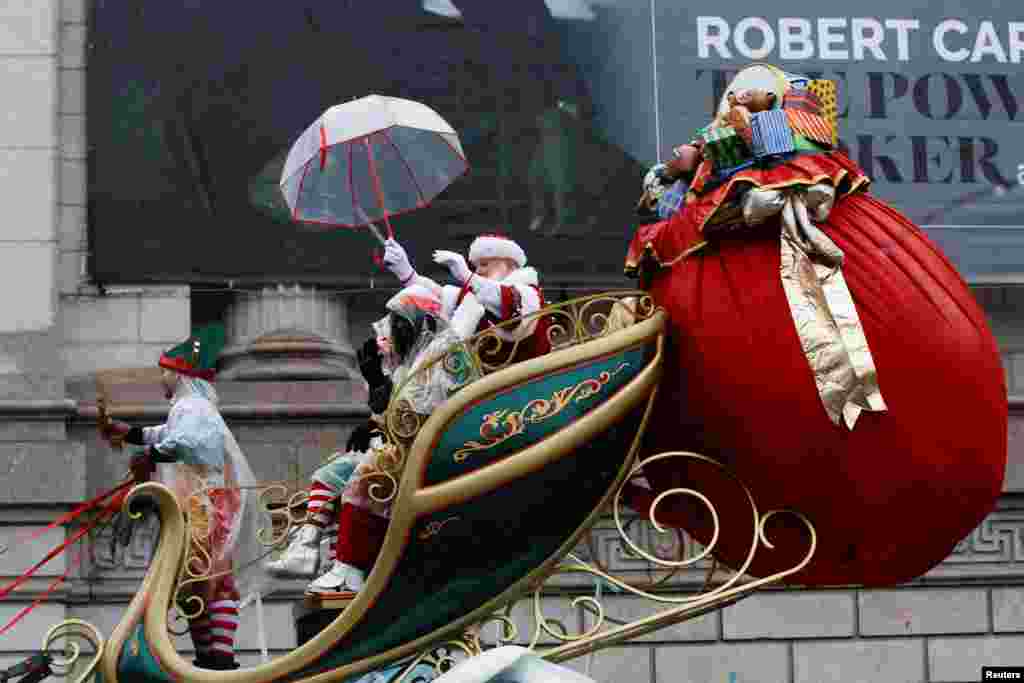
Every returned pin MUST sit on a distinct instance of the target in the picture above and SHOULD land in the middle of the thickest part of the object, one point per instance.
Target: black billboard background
(193, 105)
(192, 109)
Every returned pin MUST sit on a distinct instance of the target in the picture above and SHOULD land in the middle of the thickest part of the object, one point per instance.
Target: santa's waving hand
(502, 282)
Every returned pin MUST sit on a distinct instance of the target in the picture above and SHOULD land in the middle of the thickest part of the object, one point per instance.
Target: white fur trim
(489, 246)
(522, 276)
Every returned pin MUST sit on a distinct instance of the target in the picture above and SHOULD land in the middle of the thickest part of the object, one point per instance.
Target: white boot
(340, 578)
(302, 555)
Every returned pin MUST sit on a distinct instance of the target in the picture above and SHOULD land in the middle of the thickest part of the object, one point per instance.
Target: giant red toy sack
(894, 450)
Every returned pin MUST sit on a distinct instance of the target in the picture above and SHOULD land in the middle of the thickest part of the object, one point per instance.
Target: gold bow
(820, 302)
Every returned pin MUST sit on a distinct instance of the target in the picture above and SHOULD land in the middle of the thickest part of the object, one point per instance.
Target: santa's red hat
(496, 246)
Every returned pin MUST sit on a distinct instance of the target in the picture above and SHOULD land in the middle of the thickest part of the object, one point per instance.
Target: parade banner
(561, 108)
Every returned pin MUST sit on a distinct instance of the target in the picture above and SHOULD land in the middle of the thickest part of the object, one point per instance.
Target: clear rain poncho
(423, 377)
(213, 481)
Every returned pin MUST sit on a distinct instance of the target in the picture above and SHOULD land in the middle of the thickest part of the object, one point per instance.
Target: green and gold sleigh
(490, 495)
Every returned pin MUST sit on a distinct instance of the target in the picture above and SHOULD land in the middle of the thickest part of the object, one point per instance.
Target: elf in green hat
(196, 455)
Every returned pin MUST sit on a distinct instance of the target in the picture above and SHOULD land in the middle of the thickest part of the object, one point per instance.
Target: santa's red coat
(889, 499)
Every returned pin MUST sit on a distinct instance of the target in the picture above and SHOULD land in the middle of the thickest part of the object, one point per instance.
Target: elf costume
(420, 336)
(196, 456)
(301, 557)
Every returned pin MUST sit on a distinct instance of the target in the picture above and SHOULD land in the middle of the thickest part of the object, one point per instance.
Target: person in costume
(301, 557)
(413, 332)
(420, 336)
(502, 282)
(195, 454)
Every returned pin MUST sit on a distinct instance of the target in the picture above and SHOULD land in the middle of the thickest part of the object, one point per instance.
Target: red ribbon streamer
(77, 512)
(52, 587)
(108, 511)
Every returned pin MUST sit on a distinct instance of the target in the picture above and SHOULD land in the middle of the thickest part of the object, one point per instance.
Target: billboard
(561, 106)
(931, 102)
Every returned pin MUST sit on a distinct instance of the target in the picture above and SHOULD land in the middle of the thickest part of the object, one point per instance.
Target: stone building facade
(292, 395)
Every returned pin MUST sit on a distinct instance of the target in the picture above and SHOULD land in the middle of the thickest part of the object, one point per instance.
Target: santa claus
(500, 279)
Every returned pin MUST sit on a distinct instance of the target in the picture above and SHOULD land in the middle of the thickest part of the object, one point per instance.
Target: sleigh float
(491, 494)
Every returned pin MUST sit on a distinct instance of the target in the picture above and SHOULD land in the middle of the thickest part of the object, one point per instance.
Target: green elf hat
(197, 356)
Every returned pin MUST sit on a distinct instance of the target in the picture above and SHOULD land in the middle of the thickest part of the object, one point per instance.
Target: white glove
(397, 261)
(455, 264)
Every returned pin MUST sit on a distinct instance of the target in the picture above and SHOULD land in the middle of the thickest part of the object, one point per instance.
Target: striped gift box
(802, 99)
(771, 133)
(811, 126)
(725, 147)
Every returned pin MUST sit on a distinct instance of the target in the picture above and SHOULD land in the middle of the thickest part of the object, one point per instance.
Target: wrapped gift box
(771, 133)
(802, 99)
(725, 147)
(811, 126)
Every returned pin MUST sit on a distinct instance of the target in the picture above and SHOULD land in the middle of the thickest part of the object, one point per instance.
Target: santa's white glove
(455, 264)
(397, 261)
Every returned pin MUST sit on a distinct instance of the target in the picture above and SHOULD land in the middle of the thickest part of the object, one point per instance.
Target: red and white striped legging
(321, 506)
(213, 631)
(210, 518)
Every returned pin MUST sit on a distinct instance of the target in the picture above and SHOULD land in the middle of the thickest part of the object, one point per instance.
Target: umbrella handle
(375, 231)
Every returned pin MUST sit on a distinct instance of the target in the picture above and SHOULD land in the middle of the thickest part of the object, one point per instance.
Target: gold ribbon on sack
(820, 302)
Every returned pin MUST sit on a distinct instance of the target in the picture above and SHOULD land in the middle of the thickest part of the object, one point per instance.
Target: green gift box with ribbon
(725, 147)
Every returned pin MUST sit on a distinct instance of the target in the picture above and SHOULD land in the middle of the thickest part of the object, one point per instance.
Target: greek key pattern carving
(993, 548)
(1000, 538)
(604, 547)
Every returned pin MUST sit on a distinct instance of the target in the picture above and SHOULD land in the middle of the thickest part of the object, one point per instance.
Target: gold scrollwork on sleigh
(69, 663)
(604, 631)
(570, 323)
(684, 607)
(435, 527)
(501, 425)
